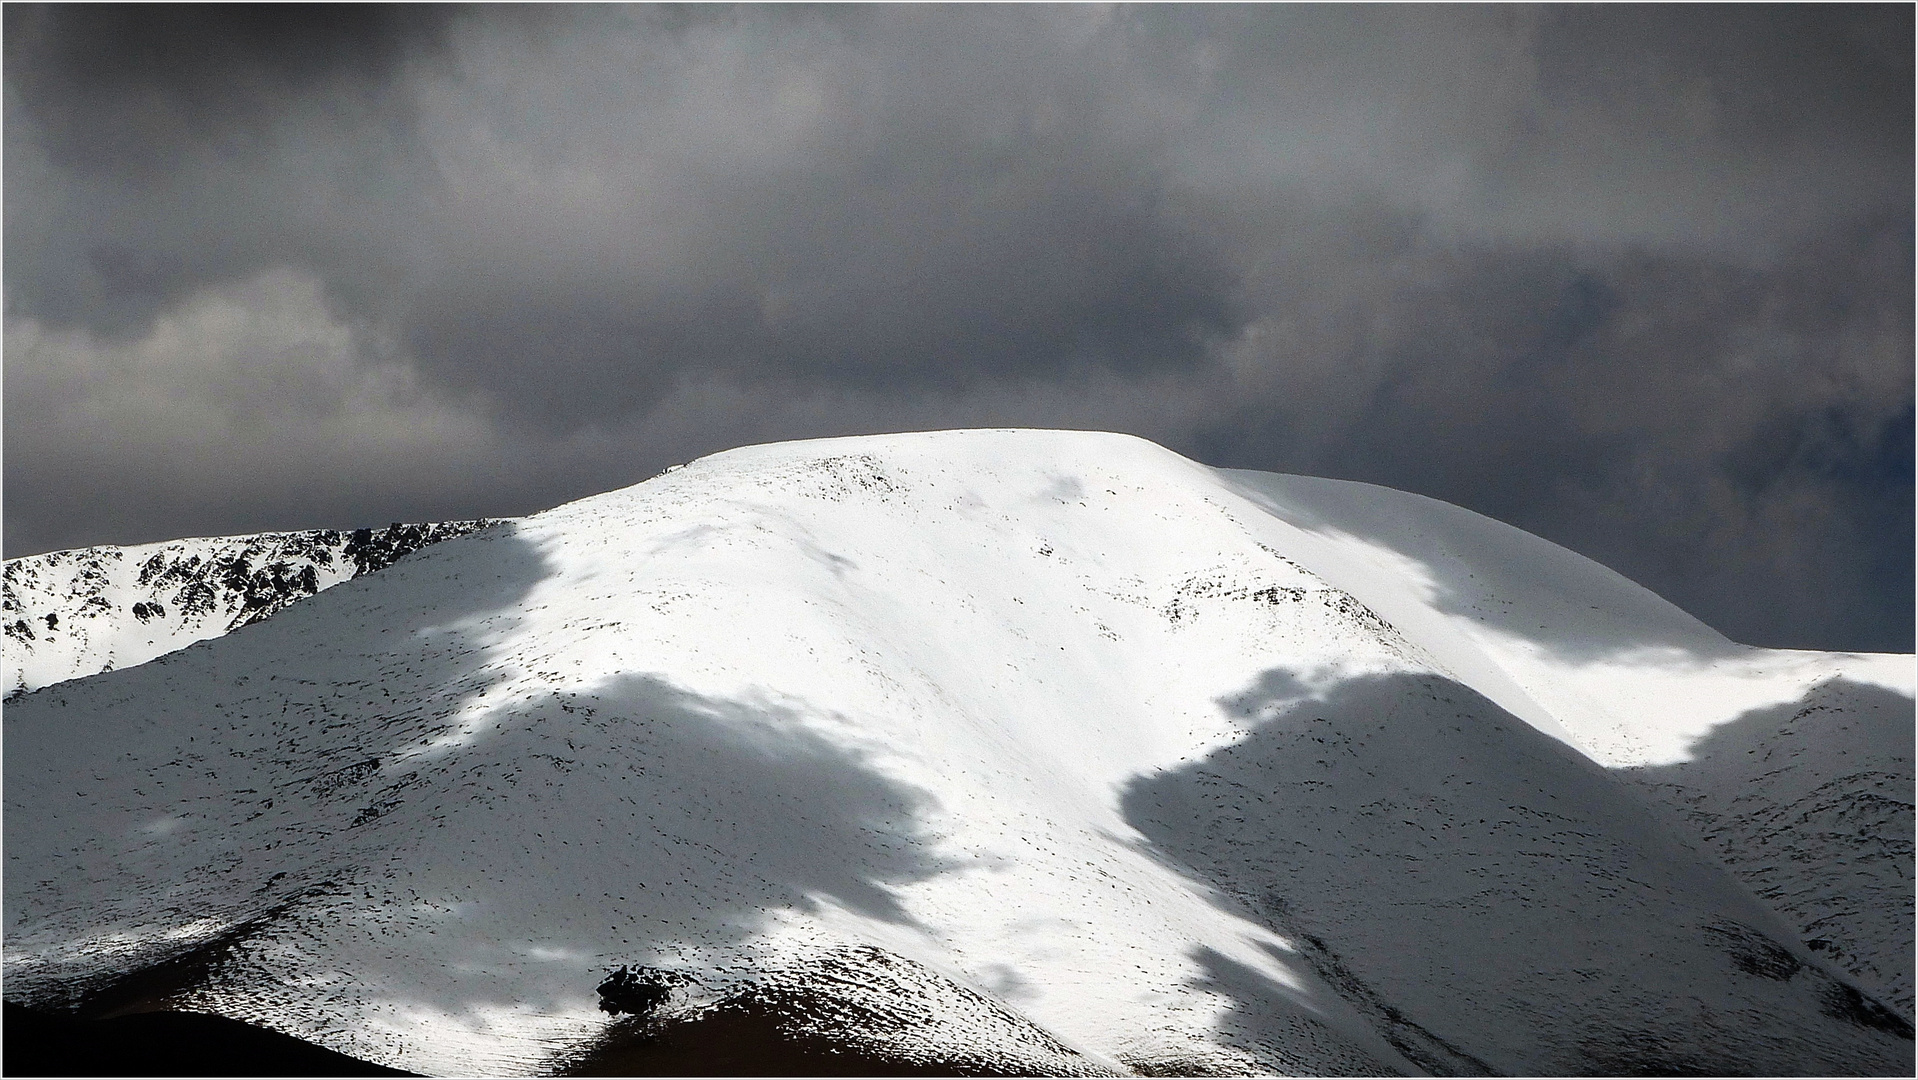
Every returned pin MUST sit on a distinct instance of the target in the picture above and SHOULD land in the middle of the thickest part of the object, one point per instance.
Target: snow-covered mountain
(986, 750)
(81, 612)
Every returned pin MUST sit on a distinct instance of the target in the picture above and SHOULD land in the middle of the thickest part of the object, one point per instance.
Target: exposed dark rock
(852, 1012)
(45, 1043)
(637, 990)
(235, 580)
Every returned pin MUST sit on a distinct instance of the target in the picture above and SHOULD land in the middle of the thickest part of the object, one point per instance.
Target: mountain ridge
(1143, 752)
(77, 612)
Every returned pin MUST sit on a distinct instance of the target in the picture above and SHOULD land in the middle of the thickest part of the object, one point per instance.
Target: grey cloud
(1736, 438)
(1776, 73)
(1672, 125)
(129, 87)
(814, 199)
(1586, 269)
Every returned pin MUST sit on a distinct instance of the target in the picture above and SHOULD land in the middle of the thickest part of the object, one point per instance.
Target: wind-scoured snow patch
(69, 614)
(1098, 761)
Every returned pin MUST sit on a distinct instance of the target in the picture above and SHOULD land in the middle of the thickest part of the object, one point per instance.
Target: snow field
(1174, 764)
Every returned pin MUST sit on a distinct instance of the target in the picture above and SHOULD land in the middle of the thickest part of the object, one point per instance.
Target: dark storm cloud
(156, 149)
(767, 192)
(1638, 279)
(1771, 74)
(905, 273)
(1736, 435)
(126, 87)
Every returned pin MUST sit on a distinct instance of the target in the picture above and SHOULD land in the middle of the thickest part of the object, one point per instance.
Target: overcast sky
(1639, 280)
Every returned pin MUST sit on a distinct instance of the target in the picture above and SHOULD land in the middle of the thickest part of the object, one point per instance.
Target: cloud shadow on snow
(631, 823)
(1808, 802)
(1487, 898)
(305, 727)
(403, 824)
(649, 818)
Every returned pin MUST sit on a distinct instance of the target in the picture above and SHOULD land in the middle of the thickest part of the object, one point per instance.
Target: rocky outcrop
(88, 610)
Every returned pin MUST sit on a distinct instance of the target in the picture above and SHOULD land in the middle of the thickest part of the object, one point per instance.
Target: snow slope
(1025, 750)
(74, 613)
(1795, 766)
(1550, 635)
(1810, 804)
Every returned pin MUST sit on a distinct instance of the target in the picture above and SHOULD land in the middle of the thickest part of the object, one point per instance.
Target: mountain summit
(983, 751)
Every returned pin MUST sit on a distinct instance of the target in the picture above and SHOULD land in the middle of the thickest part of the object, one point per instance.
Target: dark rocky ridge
(64, 611)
